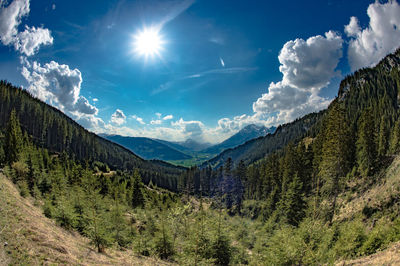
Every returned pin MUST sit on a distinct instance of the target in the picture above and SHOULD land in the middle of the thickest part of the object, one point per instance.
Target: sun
(148, 42)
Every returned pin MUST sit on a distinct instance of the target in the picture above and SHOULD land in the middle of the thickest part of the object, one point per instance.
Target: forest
(282, 202)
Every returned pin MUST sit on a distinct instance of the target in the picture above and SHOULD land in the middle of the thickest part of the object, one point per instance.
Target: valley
(183, 132)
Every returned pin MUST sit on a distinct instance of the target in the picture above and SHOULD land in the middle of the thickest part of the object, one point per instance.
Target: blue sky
(223, 64)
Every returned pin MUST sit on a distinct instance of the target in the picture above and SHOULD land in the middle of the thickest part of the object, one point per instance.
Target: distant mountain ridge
(257, 148)
(247, 133)
(148, 148)
(51, 129)
(193, 145)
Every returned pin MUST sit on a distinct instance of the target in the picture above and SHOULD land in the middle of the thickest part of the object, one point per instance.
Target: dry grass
(378, 196)
(390, 256)
(33, 239)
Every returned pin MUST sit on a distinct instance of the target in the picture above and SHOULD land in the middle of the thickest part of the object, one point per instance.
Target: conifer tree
(14, 140)
(137, 199)
(366, 147)
(292, 204)
(383, 137)
(336, 159)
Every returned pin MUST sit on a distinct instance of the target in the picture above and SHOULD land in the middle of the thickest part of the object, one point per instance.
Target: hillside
(258, 148)
(53, 130)
(33, 239)
(148, 148)
(247, 133)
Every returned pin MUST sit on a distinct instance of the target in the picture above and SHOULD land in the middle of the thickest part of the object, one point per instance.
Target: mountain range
(183, 151)
(247, 133)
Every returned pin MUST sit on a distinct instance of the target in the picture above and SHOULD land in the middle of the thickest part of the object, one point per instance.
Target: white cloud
(158, 115)
(352, 29)
(168, 117)
(156, 122)
(222, 62)
(90, 122)
(191, 129)
(59, 85)
(307, 66)
(310, 63)
(95, 100)
(382, 36)
(118, 117)
(27, 42)
(138, 119)
(10, 18)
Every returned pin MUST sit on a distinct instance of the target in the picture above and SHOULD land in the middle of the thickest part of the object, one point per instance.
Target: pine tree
(292, 204)
(337, 153)
(14, 140)
(383, 137)
(137, 198)
(366, 147)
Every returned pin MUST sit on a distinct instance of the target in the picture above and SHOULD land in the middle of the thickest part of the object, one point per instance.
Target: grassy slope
(33, 239)
(378, 195)
(390, 256)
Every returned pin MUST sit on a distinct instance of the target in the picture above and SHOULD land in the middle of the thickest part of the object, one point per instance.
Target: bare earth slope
(27, 237)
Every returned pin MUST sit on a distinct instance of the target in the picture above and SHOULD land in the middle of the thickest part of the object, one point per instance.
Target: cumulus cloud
(27, 42)
(118, 117)
(307, 66)
(382, 36)
(168, 117)
(10, 18)
(191, 129)
(59, 85)
(310, 63)
(90, 121)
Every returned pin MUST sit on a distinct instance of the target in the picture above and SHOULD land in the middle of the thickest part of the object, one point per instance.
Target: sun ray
(148, 42)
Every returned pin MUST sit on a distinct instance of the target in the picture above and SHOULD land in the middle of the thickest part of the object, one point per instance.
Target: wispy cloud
(233, 70)
(138, 119)
(222, 62)
(175, 12)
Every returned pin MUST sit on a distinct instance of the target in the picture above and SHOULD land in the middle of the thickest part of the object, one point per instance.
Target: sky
(184, 69)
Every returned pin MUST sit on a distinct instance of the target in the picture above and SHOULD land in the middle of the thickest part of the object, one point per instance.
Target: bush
(221, 250)
(23, 188)
(350, 240)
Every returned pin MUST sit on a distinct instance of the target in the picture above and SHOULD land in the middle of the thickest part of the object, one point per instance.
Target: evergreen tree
(14, 140)
(336, 159)
(137, 198)
(292, 204)
(366, 147)
(383, 137)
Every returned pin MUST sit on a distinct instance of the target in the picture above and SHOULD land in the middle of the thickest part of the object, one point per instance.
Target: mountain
(247, 133)
(193, 145)
(51, 129)
(176, 146)
(258, 148)
(148, 148)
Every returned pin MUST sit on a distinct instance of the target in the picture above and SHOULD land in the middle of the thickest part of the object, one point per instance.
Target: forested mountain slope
(53, 130)
(245, 134)
(258, 148)
(330, 193)
(148, 148)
